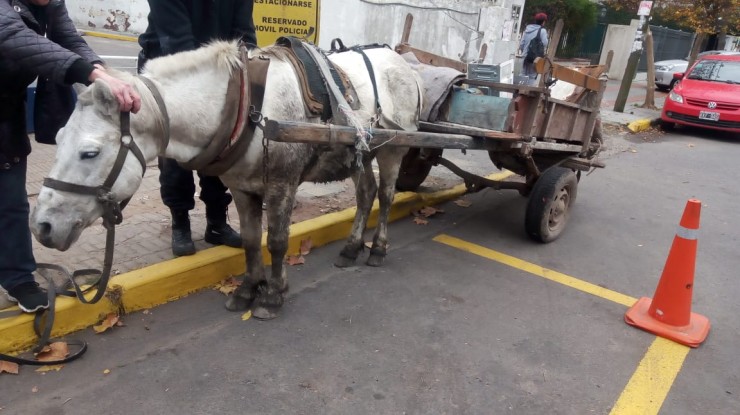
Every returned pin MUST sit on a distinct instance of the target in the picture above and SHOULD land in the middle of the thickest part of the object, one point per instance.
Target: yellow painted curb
(113, 36)
(639, 125)
(172, 279)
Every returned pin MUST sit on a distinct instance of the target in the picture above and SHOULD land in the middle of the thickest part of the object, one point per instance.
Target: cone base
(691, 335)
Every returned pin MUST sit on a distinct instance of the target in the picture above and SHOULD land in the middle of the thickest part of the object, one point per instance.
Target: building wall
(452, 28)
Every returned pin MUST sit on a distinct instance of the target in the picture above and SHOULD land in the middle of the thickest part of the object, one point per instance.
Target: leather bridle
(112, 216)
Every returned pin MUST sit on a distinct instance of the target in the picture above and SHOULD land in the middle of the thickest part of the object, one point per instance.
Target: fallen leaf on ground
(430, 211)
(109, 321)
(420, 221)
(49, 368)
(306, 246)
(34, 389)
(246, 316)
(8, 367)
(632, 150)
(296, 260)
(106, 371)
(369, 244)
(227, 286)
(54, 351)
(690, 145)
(463, 203)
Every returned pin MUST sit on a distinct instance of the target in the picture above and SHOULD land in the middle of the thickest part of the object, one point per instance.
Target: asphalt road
(439, 330)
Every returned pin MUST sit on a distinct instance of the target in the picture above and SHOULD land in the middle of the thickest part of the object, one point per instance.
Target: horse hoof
(264, 313)
(236, 303)
(344, 262)
(375, 260)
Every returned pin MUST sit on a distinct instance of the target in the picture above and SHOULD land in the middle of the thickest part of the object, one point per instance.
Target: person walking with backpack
(533, 44)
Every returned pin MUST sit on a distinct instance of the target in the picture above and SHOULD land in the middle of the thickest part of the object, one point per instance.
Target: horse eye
(88, 155)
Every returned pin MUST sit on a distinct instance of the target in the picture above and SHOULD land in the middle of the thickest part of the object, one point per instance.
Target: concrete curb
(643, 124)
(169, 280)
(107, 35)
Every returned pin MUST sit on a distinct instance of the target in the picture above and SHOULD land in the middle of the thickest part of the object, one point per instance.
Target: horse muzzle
(52, 233)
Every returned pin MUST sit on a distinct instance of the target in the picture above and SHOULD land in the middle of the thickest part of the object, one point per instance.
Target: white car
(664, 71)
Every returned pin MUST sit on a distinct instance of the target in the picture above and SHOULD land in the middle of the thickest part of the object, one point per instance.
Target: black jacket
(181, 25)
(63, 57)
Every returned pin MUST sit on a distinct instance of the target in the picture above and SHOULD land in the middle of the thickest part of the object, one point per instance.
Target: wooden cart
(547, 141)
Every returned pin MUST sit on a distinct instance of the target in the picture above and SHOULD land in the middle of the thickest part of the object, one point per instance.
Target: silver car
(664, 71)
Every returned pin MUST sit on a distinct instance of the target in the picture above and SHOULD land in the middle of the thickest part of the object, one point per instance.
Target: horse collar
(231, 139)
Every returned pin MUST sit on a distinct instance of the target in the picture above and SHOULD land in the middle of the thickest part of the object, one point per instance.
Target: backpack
(536, 48)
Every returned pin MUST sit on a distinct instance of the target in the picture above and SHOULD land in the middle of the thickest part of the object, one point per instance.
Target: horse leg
(389, 161)
(249, 207)
(271, 294)
(365, 189)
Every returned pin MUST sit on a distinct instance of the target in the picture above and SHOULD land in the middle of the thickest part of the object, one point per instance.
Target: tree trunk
(698, 42)
(649, 52)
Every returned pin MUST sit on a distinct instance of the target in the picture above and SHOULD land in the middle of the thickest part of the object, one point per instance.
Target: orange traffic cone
(669, 314)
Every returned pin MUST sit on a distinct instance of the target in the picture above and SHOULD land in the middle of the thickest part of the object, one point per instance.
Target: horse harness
(44, 319)
(232, 138)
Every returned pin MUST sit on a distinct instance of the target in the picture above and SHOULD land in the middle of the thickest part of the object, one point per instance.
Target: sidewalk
(632, 111)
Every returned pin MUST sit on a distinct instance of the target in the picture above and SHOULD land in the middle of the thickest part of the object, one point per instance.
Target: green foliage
(702, 16)
(578, 17)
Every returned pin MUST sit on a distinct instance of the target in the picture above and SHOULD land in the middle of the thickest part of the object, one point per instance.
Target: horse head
(80, 185)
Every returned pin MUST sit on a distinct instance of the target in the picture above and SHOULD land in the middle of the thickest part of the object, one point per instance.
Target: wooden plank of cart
(547, 141)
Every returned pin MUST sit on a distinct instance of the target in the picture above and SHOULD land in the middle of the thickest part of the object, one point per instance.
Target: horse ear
(79, 88)
(104, 99)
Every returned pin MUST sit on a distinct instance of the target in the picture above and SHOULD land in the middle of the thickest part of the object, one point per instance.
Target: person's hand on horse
(127, 96)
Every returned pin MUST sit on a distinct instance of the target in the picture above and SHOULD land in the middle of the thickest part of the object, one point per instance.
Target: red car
(707, 96)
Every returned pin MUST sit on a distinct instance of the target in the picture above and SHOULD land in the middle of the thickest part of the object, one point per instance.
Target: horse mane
(224, 54)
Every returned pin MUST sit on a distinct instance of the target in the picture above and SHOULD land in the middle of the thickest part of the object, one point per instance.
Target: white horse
(193, 85)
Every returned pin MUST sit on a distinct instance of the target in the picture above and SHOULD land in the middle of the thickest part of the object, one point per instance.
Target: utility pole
(631, 69)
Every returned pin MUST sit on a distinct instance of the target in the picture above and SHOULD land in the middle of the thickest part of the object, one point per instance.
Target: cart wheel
(549, 204)
(415, 168)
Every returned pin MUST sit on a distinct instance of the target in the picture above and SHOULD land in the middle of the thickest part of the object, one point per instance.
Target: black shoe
(182, 241)
(222, 234)
(29, 296)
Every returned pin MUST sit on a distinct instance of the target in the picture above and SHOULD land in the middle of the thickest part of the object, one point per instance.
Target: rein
(112, 216)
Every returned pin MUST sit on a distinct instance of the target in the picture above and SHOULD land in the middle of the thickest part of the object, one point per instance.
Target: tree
(701, 16)
(578, 16)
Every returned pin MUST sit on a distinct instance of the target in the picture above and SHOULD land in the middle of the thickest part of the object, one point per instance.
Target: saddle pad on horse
(315, 93)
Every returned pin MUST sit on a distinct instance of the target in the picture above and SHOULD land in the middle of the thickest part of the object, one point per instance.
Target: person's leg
(213, 194)
(177, 188)
(17, 263)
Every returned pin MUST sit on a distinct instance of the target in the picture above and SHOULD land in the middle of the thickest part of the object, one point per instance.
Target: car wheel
(667, 125)
(662, 88)
(673, 83)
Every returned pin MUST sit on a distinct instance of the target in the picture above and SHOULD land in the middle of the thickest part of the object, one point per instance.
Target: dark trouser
(529, 70)
(16, 251)
(178, 187)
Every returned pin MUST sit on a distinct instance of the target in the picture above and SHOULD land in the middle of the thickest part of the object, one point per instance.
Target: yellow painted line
(537, 270)
(178, 277)
(113, 36)
(649, 386)
(647, 389)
